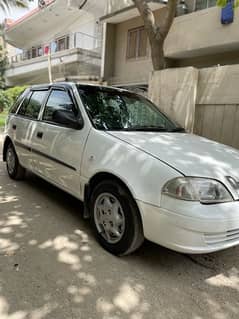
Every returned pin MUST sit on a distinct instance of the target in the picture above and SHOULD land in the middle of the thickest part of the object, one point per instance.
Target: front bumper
(191, 227)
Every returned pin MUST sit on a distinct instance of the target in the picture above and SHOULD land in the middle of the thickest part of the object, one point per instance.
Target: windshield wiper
(178, 129)
(146, 128)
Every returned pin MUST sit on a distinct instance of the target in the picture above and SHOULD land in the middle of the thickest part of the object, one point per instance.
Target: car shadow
(52, 267)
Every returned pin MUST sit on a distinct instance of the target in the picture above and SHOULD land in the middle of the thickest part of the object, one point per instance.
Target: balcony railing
(77, 40)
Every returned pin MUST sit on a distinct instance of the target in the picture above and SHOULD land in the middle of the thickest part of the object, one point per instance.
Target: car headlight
(204, 190)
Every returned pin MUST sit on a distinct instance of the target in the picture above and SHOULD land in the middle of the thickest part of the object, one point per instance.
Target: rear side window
(32, 104)
(58, 99)
(18, 101)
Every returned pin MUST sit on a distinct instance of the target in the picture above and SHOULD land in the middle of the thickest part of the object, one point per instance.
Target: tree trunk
(157, 55)
(157, 31)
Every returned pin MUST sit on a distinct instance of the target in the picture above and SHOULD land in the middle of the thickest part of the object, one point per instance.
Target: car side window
(32, 104)
(24, 104)
(57, 100)
(18, 101)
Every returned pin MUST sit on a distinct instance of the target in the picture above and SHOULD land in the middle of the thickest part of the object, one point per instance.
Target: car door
(23, 123)
(58, 155)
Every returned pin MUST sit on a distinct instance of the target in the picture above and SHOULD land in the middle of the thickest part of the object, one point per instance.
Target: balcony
(113, 6)
(75, 54)
(200, 34)
(119, 11)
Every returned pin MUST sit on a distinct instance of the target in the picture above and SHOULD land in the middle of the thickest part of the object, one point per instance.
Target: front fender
(143, 174)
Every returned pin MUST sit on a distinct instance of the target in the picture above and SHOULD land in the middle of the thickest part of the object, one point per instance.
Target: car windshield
(111, 109)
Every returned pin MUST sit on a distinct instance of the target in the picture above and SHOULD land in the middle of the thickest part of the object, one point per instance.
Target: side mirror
(68, 119)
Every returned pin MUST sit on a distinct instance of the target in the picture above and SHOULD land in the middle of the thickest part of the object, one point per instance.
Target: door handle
(39, 134)
(14, 126)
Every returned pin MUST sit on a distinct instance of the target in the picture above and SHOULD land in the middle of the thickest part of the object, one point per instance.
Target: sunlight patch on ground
(38, 313)
(7, 199)
(68, 250)
(220, 280)
(128, 300)
(7, 247)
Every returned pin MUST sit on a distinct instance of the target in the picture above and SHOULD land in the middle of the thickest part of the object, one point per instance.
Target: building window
(62, 43)
(137, 43)
(204, 4)
(39, 51)
(34, 52)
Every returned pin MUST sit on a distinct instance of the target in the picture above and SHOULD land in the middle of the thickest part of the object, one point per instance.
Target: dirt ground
(52, 267)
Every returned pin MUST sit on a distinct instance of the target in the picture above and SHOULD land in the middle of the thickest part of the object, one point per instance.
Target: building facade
(106, 40)
(197, 38)
(62, 37)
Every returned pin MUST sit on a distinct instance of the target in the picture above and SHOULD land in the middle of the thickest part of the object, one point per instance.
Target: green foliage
(5, 5)
(14, 92)
(223, 3)
(3, 64)
(2, 119)
(4, 101)
(8, 97)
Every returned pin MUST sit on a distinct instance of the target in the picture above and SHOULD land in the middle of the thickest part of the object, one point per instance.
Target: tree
(157, 31)
(6, 5)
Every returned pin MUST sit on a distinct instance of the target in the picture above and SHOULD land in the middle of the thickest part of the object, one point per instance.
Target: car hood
(190, 154)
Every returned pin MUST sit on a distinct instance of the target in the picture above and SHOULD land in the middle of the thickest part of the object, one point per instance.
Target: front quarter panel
(143, 174)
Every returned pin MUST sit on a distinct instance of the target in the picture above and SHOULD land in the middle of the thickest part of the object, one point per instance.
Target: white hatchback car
(138, 173)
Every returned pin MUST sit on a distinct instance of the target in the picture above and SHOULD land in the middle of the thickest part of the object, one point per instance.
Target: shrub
(5, 102)
(14, 92)
(8, 97)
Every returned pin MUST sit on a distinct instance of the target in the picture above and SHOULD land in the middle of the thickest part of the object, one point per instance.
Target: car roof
(70, 84)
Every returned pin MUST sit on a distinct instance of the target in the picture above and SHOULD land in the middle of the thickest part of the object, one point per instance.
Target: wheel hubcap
(109, 218)
(11, 161)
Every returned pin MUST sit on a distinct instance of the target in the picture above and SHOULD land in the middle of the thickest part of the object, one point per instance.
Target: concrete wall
(175, 91)
(108, 53)
(204, 101)
(197, 39)
(217, 105)
(129, 71)
(201, 33)
(113, 6)
(133, 70)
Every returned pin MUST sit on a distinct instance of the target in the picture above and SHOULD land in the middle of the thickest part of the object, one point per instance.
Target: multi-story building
(196, 39)
(70, 33)
(58, 40)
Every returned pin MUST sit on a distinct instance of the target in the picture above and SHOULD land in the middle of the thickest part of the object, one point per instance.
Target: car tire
(14, 169)
(115, 218)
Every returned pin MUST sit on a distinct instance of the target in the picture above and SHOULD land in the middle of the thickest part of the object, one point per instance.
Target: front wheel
(14, 169)
(116, 218)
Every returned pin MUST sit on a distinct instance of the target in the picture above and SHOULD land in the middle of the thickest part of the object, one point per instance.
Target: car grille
(225, 237)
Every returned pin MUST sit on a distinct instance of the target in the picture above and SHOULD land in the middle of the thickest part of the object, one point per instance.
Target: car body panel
(54, 155)
(21, 137)
(190, 154)
(105, 153)
(200, 229)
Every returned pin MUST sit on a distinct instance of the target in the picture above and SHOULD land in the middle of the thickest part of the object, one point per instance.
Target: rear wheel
(14, 169)
(116, 218)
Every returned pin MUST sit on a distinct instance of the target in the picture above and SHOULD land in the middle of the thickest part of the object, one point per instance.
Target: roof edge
(28, 15)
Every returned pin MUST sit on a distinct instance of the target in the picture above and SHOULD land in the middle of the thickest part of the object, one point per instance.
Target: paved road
(51, 267)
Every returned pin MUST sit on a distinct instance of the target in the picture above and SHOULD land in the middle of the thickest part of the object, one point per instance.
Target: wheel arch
(7, 141)
(99, 177)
